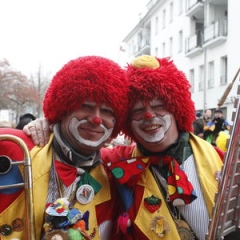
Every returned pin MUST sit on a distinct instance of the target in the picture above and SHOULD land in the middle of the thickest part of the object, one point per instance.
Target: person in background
(207, 116)
(168, 179)
(86, 102)
(198, 125)
(218, 124)
(25, 119)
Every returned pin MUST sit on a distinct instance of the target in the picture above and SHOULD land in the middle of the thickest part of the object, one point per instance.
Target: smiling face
(208, 114)
(88, 128)
(153, 126)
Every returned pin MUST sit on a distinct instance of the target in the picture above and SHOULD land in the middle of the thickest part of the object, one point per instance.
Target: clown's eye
(158, 107)
(107, 111)
(137, 110)
(86, 106)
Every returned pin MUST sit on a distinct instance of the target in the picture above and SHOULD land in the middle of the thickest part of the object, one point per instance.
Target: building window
(223, 70)
(130, 50)
(163, 50)
(201, 78)
(211, 74)
(164, 19)
(139, 41)
(170, 46)
(156, 26)
(180, 41)
(191, 79)
(180, 7)
(171, 12)
(134, 47)
(156, 52)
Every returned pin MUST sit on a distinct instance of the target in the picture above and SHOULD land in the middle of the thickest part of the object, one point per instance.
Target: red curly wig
(87, 78)
(151, 78)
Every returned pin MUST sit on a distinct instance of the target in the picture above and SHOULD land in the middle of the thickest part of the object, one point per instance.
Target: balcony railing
(143, 47)
(215, 33)
(194, 43)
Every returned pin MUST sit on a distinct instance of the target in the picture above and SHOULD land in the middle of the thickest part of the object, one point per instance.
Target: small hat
(198, 114)
(91, 78)
(218, 111)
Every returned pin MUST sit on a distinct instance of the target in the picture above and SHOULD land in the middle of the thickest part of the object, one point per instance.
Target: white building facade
(203, 40)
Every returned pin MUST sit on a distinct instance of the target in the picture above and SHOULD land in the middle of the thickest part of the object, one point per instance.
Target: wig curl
(91, 78)
(151, 78)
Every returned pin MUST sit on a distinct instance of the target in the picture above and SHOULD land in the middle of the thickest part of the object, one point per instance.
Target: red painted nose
(148, 115)
(97, 120)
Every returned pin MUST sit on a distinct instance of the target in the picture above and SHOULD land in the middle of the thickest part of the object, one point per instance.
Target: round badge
(57, 235)
(5, 230)
(185, 233)
(18, 225)
(85, 194)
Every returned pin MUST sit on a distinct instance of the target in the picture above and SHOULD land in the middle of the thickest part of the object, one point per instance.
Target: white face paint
(152, 130)
(73, 128)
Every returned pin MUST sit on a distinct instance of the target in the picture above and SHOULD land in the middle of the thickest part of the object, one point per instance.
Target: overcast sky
(52, 32)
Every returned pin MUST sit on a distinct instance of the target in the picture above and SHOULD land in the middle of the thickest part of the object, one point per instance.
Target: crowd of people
(160, 187)
(214, 130)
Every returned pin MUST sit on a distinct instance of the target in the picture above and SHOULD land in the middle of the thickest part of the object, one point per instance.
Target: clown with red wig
(168, 180)
(72, 195)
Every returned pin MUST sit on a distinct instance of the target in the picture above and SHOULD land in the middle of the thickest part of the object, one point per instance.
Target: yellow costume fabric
(41, 164)
(207, 163)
